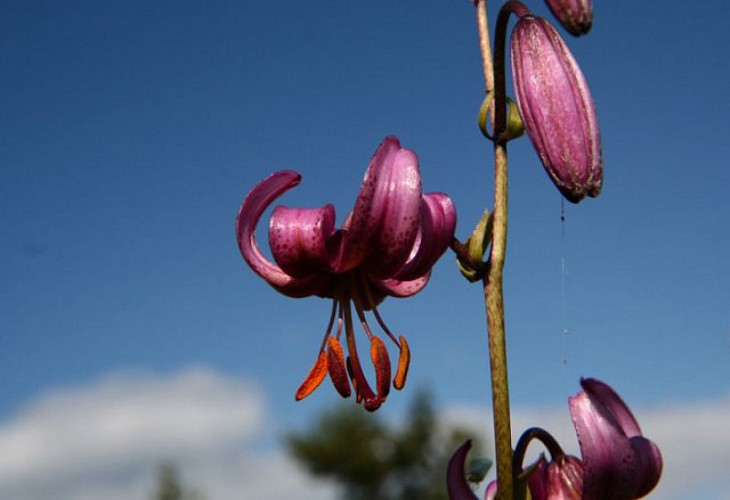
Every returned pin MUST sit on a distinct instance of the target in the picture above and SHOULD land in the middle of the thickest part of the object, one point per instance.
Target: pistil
(363, 392)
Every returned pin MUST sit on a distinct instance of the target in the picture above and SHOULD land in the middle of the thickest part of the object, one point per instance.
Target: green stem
(492, 281)
(493, 297)
(484, 46)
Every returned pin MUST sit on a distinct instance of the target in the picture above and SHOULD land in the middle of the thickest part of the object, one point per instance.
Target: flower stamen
(359, 309)
(381, 361)
(314, 377)
(321, 365)
(362, 390)
(385, 328)
(404, 359)
(336, 367)
(404, 355)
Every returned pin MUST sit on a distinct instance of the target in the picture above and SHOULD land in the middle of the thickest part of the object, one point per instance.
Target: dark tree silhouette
(169, 486)
(372, 460)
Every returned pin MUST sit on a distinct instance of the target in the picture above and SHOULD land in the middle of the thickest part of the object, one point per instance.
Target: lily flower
(617, 463)
(386, 246)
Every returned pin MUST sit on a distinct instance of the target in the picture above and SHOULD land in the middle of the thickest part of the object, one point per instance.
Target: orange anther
(314, 378)
(336, 367)
(381, 361)
(404, 359)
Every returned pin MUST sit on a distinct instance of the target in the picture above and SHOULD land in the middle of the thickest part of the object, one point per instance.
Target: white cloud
(106, 440)
(694, 439)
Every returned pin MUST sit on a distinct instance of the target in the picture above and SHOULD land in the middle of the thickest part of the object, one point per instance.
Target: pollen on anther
(404, 359)
(381, 361)
(314, 377)
(336, 367)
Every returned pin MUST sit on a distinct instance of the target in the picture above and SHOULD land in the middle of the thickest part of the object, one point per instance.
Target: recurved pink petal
(456, 483)
(251, 210)
(650, 462)
(602, 393)
(384, 223)
(438, 221)
(615, 466)
(298, 236)
(398, 288)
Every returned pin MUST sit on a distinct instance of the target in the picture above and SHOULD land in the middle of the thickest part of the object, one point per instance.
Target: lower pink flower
(618, 462)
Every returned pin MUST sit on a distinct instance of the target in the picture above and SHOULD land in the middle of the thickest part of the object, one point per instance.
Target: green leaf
(477, 469)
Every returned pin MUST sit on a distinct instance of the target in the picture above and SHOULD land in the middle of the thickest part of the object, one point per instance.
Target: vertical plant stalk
(485, 46)
(493, 297)
(494, 75)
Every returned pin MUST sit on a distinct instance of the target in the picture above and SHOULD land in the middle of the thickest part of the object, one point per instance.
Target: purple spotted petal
(384, 223)
(613, 403)
(617, 465)
(298, 238)
(260, 197)
(651, 463)
(438, 221)
(398, 288)
(456, 482)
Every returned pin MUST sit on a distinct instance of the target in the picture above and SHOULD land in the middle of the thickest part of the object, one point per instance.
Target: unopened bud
(576, 16)
(556, 108)
(562, 478)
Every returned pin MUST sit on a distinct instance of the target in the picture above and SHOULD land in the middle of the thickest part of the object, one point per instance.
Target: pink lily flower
(618, 462)
(386, 247)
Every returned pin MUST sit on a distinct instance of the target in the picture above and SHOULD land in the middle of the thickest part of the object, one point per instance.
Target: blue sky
(133, 130)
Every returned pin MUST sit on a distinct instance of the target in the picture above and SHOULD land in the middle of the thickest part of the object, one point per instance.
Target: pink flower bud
(576, 16)
(556, 108)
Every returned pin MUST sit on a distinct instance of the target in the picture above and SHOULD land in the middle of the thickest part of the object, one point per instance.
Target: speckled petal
(651, 463)
(438, 221)
(384, 223)
(251, 210)
(298, 236)
(615, 466)
(398, 288)
(603, 393)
